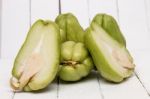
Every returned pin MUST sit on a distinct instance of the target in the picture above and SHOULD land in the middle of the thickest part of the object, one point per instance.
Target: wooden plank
(103, 6)
(143, 56)
(0, 25)
(130, 88)
(87, 88)
(142, 69)
(78, 8)
(44, 9)
(147, 8)
(5, 74)
(133, 24)
(15, 24)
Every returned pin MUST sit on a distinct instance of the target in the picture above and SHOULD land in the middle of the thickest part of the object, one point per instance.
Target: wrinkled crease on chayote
(37, 62)
(71, 27)
(108, 49)
(75, 61)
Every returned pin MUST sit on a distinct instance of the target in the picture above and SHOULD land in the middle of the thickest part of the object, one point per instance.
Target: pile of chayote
(65, 49)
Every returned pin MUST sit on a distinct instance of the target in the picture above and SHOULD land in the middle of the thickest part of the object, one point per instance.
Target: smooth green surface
(62, 35)
(70, 25)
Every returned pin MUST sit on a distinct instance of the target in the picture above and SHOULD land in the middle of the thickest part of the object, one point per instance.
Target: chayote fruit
(75, 61)
(70, 25)
(109, 24)
(37, 62)
(112, 60)
(62, 36)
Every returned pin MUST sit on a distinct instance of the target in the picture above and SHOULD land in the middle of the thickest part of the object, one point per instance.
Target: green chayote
(71, 27)
(37, 62)
(65, 48)
(109, 24)
(75, 61)
(107, 47)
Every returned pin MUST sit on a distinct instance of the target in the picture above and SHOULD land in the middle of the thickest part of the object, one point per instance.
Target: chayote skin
(112, 60)
(62, 36)
(109, 24)
(75, 61)
(37, 62)
(71, 27)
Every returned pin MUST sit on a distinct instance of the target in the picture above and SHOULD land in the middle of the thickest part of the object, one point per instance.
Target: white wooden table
(133, 17)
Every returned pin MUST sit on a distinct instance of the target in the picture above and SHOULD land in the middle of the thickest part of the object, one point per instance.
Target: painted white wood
(129, 89)
(147, 8)
(143, 56)
(15, 25)
(44, 9)
(103, 6)
(143, 68)
(0, 25)
(133, 21)
(5, 74)
(79, 8)
(85, 89)
(133, 24)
